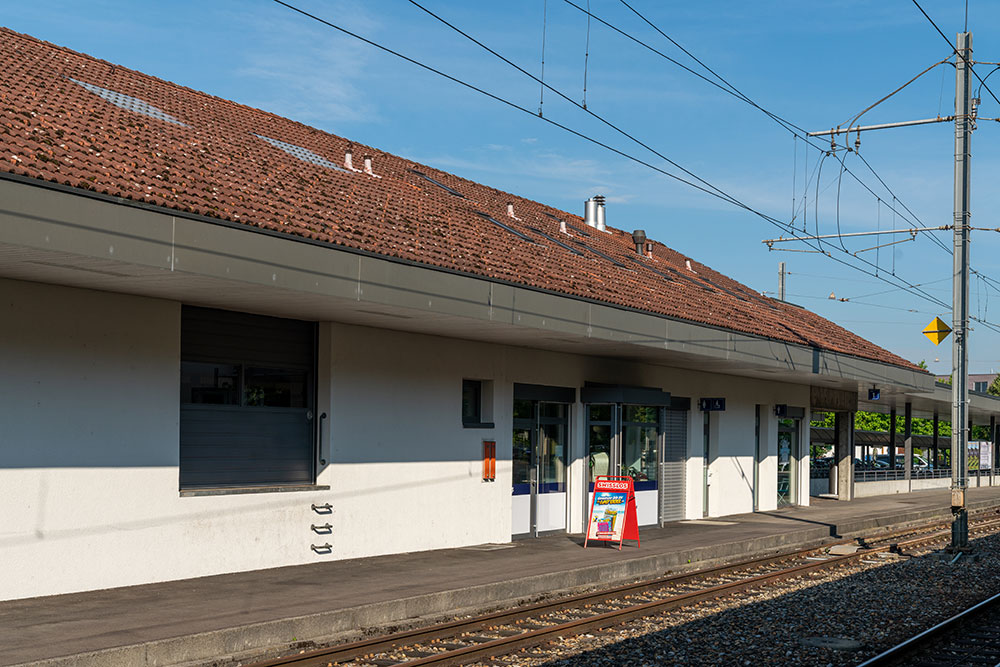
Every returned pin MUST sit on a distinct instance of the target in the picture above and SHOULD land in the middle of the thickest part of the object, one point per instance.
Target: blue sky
(814, 63)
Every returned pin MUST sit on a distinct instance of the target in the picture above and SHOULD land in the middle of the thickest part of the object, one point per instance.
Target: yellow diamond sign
(937, 330)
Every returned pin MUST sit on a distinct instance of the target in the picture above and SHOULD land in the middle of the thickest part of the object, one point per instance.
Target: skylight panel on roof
(656, 271)
(556, 241)
(680, 275)
(439, 184)
(303, 154)
(600, 254)
(723, 289)
(513, 231)
(129, 103)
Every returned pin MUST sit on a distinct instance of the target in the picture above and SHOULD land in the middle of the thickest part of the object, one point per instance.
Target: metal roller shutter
(672, 466)
(256, 426)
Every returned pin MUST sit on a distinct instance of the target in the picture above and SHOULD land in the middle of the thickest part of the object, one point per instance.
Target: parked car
(919, 462)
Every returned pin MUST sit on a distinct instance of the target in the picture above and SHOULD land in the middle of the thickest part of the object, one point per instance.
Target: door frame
(617, 442)
(794, 459)
(539, 394)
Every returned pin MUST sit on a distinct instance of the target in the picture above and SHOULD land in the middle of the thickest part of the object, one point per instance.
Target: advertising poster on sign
(612, 512)
(609, 515)
(981, 451)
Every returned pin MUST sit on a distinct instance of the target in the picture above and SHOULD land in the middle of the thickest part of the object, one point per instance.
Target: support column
(844, 454)
(993, 447)
(960, 294)
(934, 443)
(979, 468)
(892, 439)
(908, 445)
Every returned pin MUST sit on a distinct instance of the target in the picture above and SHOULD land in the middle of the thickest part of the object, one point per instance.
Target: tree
(877, 421)
(994, 388)
(922, 364)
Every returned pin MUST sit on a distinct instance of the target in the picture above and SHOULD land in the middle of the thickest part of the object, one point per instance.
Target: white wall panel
(89, 454)
(89, 446)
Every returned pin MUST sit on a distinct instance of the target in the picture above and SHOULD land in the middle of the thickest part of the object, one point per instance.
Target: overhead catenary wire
(865, 296)
(741, 95)
(791, 127)
(787, 125)
(541, 90)
(724, 196)
(853, 120)
(720, 193)
(725, 86)
(878, 223)
(795, 171)
(956, 52)
(714, 191)
(586, 57)
(514, 105)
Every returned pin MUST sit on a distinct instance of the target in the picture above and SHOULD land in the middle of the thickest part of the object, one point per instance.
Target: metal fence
(885, 474)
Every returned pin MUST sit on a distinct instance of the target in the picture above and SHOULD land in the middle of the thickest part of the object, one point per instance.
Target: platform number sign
(612, 511)
(712, 404)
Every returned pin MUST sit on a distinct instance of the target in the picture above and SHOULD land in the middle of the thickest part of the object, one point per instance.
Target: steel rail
(919, 642)
(345, 652)
(503, 645)
(506, 645)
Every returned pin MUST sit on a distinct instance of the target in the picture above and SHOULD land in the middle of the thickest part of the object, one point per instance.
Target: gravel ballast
(836, 617)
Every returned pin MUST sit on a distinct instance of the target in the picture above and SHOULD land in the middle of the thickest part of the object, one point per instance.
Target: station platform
(198, 621)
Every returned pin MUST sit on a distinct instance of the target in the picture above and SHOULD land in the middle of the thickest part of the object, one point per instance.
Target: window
(508, 228)
(437, 183)
(599, 423)
(640, 435)
(599, 253)
(981, 387)
(477, 401)
(556, 241)
(209, 383)
(247, 400)
(472, 401)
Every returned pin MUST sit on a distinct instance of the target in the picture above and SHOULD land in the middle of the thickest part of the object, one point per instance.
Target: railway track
(505, 632)
(967, 638)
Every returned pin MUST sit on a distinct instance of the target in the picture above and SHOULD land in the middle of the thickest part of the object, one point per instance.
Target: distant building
(977, 381)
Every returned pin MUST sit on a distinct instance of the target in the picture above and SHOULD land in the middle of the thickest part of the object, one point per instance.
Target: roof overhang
(59, 235)
(936, 400)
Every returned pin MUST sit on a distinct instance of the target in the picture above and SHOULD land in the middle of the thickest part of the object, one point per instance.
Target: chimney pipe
(349, 160)
(368, 167)
(590, 212)
(600, 213)
(639, 239)
(510, 211)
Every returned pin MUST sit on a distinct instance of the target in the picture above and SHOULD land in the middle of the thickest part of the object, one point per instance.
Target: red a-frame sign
(612, 511)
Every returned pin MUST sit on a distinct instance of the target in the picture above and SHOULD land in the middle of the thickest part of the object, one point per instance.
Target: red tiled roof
(214, 163)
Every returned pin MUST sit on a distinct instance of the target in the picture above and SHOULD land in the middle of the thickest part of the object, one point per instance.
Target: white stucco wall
(89, 454)
(406, 475)
(89, 447)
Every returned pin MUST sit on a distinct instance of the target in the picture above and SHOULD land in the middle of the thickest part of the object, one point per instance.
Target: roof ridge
(215, 167)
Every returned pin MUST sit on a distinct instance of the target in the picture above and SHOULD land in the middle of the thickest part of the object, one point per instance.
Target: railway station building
(232, 342)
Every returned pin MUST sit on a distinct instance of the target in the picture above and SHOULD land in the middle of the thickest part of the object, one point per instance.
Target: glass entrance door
(788, 454)
(625, 440)
(540, 446)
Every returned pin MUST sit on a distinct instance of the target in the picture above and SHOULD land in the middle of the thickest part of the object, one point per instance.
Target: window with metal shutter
(247, 400)
(672, 466)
